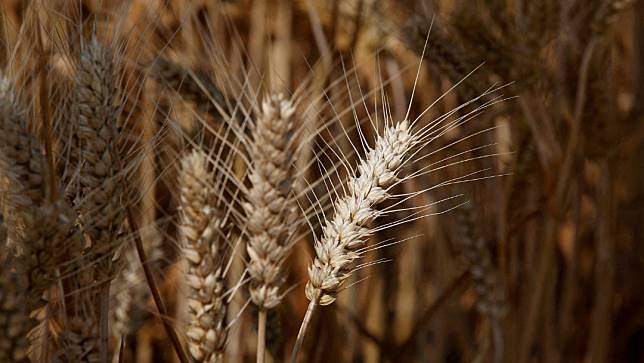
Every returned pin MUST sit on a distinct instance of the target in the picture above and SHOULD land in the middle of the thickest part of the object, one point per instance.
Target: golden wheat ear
(271, 208)
(345, 233)
(203, 245)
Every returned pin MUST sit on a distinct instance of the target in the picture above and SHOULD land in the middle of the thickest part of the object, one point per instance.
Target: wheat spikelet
(347, 231)
(15, 323)
(271, 207)
(203, 250)
(100, 181)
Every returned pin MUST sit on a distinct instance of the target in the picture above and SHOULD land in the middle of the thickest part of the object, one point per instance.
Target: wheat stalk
(347, 231)
(203, 248)
(271, 206)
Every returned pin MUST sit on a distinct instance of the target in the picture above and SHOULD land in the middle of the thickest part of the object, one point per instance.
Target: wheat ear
(487, 281)
(203, 247)
(101, 208)
(347, 231)
(271, 206)
(45, 230)
(15, 323)
(43, 226)
(20, 158)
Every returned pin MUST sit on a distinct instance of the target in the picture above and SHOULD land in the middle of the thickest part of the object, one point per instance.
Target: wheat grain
(203, 249)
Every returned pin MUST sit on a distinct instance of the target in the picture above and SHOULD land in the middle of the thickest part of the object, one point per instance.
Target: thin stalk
(121, 350)
(154, 289)
(46, 133)
(261, 335)
(302, 332)
(104, 306)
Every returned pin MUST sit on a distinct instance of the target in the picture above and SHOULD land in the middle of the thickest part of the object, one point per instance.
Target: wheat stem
(104, 301)
(154, 289)
(46, 135)
(302, 332)
(261, 335)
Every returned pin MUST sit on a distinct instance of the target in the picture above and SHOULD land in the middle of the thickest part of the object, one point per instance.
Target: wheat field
(321, 181)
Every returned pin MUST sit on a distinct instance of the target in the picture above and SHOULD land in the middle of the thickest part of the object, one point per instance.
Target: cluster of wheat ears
(80, 257)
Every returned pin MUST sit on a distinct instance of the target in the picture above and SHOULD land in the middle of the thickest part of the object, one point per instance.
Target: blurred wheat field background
(321, 181)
